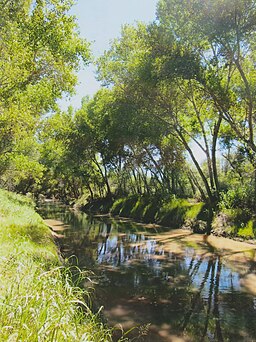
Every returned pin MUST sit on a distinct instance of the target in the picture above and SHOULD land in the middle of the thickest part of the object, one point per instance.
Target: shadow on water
(170, 290)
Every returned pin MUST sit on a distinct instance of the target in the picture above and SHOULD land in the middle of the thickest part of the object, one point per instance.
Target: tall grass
(38, 301)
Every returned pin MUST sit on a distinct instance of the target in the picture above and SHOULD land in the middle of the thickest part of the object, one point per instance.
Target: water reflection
(145, 275)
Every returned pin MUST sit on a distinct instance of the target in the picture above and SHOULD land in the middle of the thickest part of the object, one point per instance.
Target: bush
(238, 197)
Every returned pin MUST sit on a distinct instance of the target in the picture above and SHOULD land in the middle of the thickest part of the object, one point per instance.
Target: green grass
(38, 300)
(117, 206)
(194, 210)
(172, 213)
(150, 211)
(127, 205)
(138, 209)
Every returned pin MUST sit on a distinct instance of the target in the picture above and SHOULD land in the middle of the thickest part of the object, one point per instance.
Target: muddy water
(166, 284)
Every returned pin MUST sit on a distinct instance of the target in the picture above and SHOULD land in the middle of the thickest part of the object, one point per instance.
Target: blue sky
(100, 22)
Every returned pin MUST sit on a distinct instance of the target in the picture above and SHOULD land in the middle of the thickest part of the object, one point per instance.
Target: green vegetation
(37, 297)
(40, 53)
(170, 89)
(235, 222)
(174, 213)
(181, 84)
(248, 231)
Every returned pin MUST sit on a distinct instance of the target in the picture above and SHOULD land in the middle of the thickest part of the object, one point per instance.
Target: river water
(162, 284)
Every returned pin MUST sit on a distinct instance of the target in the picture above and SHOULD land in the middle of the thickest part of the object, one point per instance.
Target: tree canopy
(40, 53)
(180, 85)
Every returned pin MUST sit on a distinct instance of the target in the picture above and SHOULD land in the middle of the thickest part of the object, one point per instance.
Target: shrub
(238, 197)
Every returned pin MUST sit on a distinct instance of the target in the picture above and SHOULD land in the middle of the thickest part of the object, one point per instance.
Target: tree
(40, 53)
(222, 34)
(195, 68)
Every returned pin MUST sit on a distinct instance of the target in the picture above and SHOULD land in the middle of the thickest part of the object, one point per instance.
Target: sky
(100, 21)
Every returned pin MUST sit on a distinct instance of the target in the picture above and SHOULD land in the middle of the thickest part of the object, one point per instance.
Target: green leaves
(41, 50)
(40, 53)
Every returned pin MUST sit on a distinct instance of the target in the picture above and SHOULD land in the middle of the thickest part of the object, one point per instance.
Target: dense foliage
(175, 117)
(40, 52)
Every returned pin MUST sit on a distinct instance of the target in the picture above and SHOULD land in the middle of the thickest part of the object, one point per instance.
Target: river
(164, 285)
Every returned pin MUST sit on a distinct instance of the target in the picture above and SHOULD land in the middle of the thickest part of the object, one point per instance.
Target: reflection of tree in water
(218, 316)
(210, 307)
(161, 290)
(167, 290)
(191, 294)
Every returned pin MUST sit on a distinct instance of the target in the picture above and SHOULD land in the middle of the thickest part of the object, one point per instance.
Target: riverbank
(38, 299)
(176, 213)
(172, 213)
